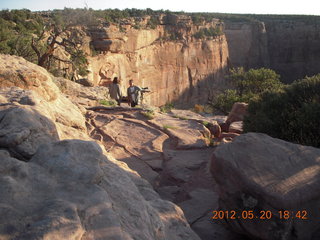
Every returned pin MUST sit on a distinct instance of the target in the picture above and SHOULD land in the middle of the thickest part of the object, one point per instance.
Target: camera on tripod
(145, 89)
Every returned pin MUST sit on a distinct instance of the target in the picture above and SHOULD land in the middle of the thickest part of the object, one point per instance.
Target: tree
(247, 85)
(291, 114)
(254, 81)
(60, 35)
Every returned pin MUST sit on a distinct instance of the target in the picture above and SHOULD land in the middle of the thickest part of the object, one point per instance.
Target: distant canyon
(179, 67)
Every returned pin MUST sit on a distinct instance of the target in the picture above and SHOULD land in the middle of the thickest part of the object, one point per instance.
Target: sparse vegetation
(205, 123)
(108, 103)
(153, 22)
(198, 108)
(208, 109)
(166, 126)
(148, 114)
(167, 107)
(204, 33)
(291, 114)
(180, 117)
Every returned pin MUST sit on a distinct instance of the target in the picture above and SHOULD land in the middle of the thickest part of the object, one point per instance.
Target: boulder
(237, 113)
(68, 119)
(136, 137)
(230, 135)
(22, 130)
(258, 173)
(209, 122)
(189, 134)
(18, 72)
(236, 127)
(214, 129)
(71, 190)
(29, 86)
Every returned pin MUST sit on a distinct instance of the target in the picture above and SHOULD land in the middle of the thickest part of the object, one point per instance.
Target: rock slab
(259, 173)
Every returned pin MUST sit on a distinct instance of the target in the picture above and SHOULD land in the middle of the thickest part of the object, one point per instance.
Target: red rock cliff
(184, 71)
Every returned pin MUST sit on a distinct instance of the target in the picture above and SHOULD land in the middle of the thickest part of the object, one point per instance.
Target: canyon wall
(178, 67)
(184, 71)
(291, 47)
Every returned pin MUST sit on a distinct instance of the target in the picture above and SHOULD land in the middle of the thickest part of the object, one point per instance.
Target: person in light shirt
(114, 90)
(133, 93)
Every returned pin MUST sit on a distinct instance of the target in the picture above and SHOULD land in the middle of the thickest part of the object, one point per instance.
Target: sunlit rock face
(179, 67)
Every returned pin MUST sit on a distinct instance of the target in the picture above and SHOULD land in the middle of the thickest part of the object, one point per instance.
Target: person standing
(133, 93)
(114, 90)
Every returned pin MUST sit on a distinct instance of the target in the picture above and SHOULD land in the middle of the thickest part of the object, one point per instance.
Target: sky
(305, 7)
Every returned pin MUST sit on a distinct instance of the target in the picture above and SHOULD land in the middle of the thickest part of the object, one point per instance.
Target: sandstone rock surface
(188, 133)
(180, 164)
(28, 121)
(81, 95)
(70, 189)
(236, 127)
(178, 175)
(18, 72)
(267, 174)
(237, 113)
(19, 77)
(209, 122)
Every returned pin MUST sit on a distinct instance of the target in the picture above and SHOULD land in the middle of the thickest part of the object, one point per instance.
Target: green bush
(153, 22)
(246, 85)
(291, 114)
(166, 126)
(108, 103)
(208, 32)
(254, 81)
(224, 101)
(148, 114)
(166, 108)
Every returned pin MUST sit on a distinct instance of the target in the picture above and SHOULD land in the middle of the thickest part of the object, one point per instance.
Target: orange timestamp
(263, 214)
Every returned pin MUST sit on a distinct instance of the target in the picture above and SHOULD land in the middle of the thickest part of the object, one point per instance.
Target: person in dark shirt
(133, 93)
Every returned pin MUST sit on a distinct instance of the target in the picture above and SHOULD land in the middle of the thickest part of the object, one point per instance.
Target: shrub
(208, 109)
(247, 85)
(208, 32)
(109, 103)
(169, 127)
(153, 22)
(198, 108)
(254, 81)
(166, 108)
(148, 114)
(291, 114)
(205, 123)
(183, 118)
(224, 101)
